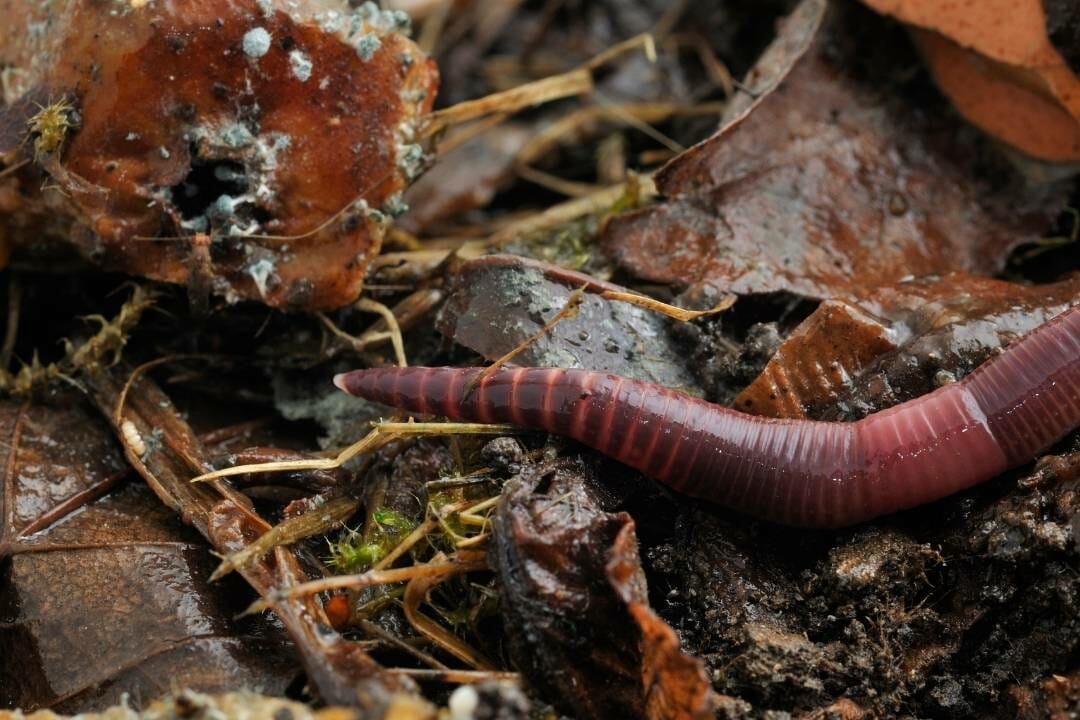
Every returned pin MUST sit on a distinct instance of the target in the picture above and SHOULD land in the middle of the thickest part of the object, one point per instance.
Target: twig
(415, 593)
(557, 215)
(11, 333)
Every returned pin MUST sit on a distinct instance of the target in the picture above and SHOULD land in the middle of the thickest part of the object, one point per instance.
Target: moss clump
(353, 553)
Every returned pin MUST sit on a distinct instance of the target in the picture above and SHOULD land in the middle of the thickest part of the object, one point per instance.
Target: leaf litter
(857, 231)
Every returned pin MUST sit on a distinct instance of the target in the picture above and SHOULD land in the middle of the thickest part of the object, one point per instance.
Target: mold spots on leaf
(256, 42)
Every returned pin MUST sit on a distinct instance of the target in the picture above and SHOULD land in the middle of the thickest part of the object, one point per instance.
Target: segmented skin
(796, 472)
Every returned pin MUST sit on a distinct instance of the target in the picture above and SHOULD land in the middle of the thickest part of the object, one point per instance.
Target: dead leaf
(501, 301)
(104, 592)
(339, 670)
(995, 61)
(845, 361)
(224, 119)
(465, 178)
(830, 186)
(572, 589)
(676, 685)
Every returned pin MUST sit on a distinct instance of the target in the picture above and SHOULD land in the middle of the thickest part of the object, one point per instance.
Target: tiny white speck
(256, 42)
(367, 46)
(463, 701)
(301, 65)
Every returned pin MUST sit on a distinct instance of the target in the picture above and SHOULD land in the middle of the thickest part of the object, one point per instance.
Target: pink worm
(798, 472)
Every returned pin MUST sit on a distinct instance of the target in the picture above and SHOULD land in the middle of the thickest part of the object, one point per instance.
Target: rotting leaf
(241, 705)
(1005, 77)
(465, 178)
(337, 669)
(845, 361)
(232, 122)
(675, 683)
(103, 591)
(575, 604)
(829, 187)
(501, 301)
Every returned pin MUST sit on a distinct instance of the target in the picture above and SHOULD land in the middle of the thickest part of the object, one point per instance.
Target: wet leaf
(831, 185)
(237, 120)
(338, 670)
(501, 301)
(576, 607)
(676, 685)
(997, 64)
(465, 178)
(846, 361)
(104, 593)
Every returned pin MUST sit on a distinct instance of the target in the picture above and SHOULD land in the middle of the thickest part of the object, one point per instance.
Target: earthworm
(797, 472)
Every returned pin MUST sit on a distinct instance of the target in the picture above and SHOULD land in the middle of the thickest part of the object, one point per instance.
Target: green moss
(352, 553)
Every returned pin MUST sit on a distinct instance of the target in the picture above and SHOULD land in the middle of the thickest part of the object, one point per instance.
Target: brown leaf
(465, 178)
(849, 360)
(104, 592)
(676, 685)
(502, 300)
(830, 187)
(223, 118)
(576, 607)
(164, 450)
(995, 61)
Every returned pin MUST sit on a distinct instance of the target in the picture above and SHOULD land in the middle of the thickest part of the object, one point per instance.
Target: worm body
(797, 472)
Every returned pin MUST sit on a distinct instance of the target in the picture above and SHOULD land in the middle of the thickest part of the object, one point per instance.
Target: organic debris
(846, 361)
(287, 151)
(831, 185)
(502, 301)
(571, 584)
(1008, 78)
(844, 242)
(78, 539)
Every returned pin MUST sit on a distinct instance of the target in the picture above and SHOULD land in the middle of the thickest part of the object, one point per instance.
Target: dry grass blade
(597, 202)
(464, 677)
(372, 306)
(448, 428)
(372, 441)
(383, 434)
(415, 594)
(315, 521)
(675, 313)
(575, 82)
(580, 120)
(359, 344)
(371, 578)
(407, 543)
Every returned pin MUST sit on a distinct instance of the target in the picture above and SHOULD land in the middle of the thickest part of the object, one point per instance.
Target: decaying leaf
(576, 606)
(464, 178)
(502, 301)
(104, 593)
(846, 361)
(249, 148)
(996, 62)
(245, 705)
(161, 446)
(830, 186)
